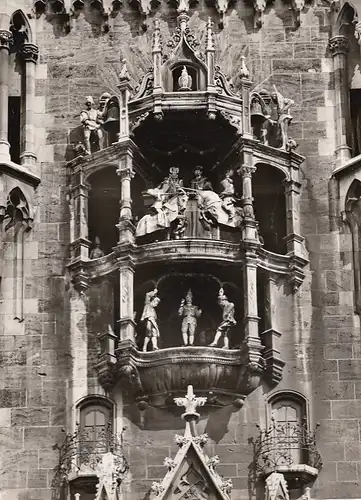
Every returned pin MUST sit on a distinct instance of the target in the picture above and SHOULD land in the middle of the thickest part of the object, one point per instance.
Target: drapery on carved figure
(199, 181)
(170, 202)
(149, 317)
(185, 80)
(190, 315)
(92, 120)
(278, 119)
(215, 210)
(227, 320)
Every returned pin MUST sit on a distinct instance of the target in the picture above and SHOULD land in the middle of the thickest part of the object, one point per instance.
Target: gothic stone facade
(50, 318)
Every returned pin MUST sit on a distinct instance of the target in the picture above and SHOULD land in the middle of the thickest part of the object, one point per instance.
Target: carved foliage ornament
(30, 52)
(6, 38)
(338, 45)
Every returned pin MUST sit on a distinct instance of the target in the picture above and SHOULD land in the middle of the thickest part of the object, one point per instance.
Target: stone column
(30, 53)
(249, 224)
(126, 308)
(5, 40)
(126, 173)
(80, 244)
(250, 295)
(294, 239)
(339, 46)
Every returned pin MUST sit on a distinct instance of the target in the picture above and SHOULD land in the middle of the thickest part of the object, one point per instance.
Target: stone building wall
(45, 359)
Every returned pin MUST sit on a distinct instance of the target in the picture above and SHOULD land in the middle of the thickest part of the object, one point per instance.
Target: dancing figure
(92, 120)
(149, 317)
(228, 320)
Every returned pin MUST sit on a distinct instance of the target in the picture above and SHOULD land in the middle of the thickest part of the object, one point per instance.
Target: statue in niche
(96, 252)
(228, 320)
(92, 120)
(278, 120)
(190, 314)
(220, 209)
(199, 181)
(149, 317)
(167, 211)
(185, 80)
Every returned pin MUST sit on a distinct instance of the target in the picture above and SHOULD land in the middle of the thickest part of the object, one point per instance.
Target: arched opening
(103, 209)
(288, 428)
(270, 207)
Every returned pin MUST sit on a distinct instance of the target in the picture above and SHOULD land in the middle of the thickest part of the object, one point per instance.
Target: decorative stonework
(191, 474)
(6, 39)
(338, 44)
(30, 52)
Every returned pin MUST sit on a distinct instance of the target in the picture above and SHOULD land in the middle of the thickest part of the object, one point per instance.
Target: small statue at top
(185, 80)
(190, 315)
(278, 119)
(92, 120)
(149, 317)
(199, 181)
(227, 320)
(97, 252)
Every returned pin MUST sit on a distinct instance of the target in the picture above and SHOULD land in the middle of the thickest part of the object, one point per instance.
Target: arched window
(288, 428)
(95, 435)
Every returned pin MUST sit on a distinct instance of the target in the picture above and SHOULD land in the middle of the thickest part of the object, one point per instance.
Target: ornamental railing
(285, 444)
(83, 451)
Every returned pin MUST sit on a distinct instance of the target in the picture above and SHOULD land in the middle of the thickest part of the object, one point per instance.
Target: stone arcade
(179, 198)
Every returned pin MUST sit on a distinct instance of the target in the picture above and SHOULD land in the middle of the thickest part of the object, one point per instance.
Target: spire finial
(210, 35)
(190, 403)
(157, 38)
(243, 73)
(124, 75)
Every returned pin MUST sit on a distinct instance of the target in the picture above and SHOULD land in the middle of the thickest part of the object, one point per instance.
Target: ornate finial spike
(210, 38)
(157, 39)
(190, 402)
(124, 75)
(244, 73)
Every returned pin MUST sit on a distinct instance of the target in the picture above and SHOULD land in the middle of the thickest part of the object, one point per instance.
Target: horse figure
(215, 210)
(166, 215)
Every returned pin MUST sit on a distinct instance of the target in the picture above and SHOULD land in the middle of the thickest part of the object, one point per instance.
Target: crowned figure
(190, 314)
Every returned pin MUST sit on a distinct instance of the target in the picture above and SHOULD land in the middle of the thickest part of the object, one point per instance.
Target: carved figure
(278, 119)
(168, 214)
(185, 80)
(190, 315)
(199, 181)
(227, 184)
(215, 211)
(149, 317)
(227, 320)
(97, 252)
(92, 120)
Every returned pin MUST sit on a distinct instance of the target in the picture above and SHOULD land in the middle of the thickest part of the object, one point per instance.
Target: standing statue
(200, 182)
(227, 320)
(190, 314)
(278, 120)
(149, 317)
(185, 80)
(97, 252)
(92, 120)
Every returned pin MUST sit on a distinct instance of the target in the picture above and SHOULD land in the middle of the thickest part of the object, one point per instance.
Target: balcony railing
(287, 447)
(82, 454)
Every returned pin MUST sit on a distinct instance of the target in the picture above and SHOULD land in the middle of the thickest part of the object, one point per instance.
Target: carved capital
(338, 45)
(246, 171)
(6, 39)
(30, 52)
(126, 173)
